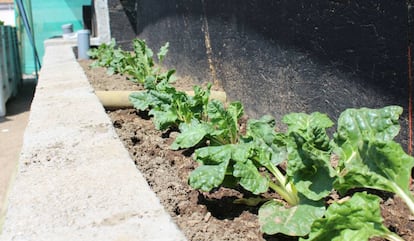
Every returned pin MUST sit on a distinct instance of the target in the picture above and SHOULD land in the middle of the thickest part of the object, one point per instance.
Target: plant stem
(405, 197)
(289, 197)
(392, 237)
(288, 191)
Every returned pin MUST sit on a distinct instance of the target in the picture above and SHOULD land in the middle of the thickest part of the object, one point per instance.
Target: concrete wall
(281, 56)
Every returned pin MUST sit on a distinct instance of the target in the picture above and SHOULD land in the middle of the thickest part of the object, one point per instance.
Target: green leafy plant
(310, 176)
(104, 55)
(220, 127)
(171, 107)
(357, 218)
(369, 157)
(252, 164)
(139, 65)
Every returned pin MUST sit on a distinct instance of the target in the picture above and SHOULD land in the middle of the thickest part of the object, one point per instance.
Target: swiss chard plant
(138, 65)
(141, 65)
(252, 163)
(368, 155)
(355, 218)
(368, 158)
(104, 55)
(171, 107)
(219, 127)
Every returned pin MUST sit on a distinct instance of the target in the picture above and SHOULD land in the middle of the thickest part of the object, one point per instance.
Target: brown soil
(201, 216)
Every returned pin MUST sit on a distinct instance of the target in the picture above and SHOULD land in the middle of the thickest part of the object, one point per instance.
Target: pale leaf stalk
(285, 189)
(405, 197)
(392, 237)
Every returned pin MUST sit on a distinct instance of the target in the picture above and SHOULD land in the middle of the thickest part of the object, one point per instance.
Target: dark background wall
(281, 56)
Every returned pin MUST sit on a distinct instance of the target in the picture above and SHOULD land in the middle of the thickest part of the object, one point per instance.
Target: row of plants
(138, 64)
(361, 155)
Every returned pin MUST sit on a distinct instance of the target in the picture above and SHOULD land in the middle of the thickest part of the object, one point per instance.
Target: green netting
(47, 19)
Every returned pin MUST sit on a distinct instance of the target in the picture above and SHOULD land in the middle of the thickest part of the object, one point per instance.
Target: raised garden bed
(202, 215)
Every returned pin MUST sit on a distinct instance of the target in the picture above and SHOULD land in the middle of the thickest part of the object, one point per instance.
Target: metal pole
(29, 34)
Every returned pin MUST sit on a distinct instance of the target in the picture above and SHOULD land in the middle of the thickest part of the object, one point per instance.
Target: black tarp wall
(281, 56)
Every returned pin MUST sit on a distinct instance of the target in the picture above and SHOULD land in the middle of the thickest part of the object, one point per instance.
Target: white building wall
(7, 14)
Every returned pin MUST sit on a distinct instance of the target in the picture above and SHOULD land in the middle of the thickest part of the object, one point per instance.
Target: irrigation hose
(112, 100)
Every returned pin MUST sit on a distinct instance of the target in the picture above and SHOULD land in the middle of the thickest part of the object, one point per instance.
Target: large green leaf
(275, 218)
(357, 125)
(359, 218)
(264, 129)
(377, 165)
(269, 145)
(311, 172)
(250, 178)
(309, 154)
(141, 100)
(207, 177)
(216, 111)
(163, 119)
(213, 155)
(301, 122)
(191, 134)
(368, 155)
(241, 151)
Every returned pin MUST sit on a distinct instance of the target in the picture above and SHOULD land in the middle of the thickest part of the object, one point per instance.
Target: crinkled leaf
(216, 111)
(163, 119)
(225, 120)
(207, 177)
(294, 221)
(164, 97)
(309, 154)
(383, 166)
(250, 178)
(368, 155)
(140, 100)
(358, 218)
(357, 125)
(299, 122)
(212, 155)
(241, 152)
(270, 146)
(311, 171)
(264, 128)
(191, 134)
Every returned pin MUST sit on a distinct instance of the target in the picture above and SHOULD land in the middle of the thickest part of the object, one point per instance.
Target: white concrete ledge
(76, 181)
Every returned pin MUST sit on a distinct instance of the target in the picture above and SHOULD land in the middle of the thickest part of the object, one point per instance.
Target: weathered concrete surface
(76, 181)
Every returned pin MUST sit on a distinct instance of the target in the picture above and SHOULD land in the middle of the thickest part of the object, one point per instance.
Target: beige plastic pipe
(120, 99)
